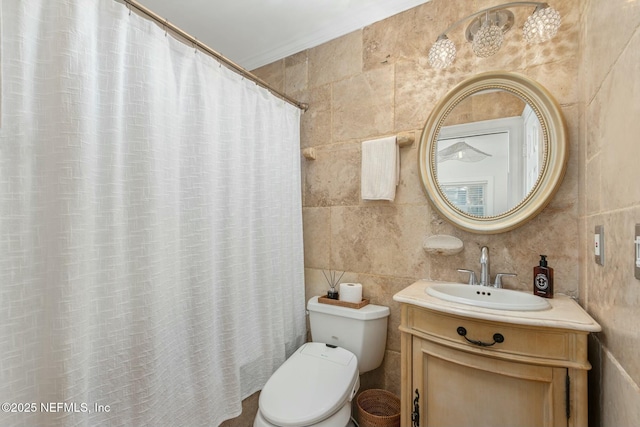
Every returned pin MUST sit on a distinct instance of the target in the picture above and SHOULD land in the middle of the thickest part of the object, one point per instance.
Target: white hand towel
(380, 169)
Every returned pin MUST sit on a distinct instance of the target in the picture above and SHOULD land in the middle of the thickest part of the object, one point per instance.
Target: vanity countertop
(565, 313)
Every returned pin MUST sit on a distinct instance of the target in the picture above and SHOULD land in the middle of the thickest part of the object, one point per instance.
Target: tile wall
(609, 182)
(376, 82)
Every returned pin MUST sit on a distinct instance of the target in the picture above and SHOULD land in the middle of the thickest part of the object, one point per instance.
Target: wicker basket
(378, 408)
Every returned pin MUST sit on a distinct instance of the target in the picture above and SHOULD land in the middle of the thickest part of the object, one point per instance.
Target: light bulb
(542, 25)
(487, 40)
(442, 53)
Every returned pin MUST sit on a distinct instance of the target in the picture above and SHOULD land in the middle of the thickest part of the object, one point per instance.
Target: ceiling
(253, 33)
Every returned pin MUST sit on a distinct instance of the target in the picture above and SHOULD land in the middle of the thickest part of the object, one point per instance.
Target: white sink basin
(487, 297)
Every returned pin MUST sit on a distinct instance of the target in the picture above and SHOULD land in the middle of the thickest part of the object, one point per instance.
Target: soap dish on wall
(442, 244)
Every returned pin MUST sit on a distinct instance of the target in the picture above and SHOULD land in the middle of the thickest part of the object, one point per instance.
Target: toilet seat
(339, 419)
(313, 384)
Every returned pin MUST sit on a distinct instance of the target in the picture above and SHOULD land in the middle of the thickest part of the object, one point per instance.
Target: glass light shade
(488, 40)
(442, 53)
(463, 152)
(542, 25)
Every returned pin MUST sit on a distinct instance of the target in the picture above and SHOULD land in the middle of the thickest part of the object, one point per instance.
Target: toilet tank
(362, 331)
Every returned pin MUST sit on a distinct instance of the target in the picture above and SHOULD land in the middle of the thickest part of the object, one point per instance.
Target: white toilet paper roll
(351, 292)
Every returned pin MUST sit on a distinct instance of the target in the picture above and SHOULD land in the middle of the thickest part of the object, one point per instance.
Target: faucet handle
(499, 277)
(472, 275)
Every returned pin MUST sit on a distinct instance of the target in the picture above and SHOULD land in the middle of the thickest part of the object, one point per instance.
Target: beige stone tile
(614, 293)
(316, 235)
(582, 61)
(335, 60)
(620, 149)
(418, 88)
(593, 187)
(585, 240)
(272, 73)
(369, 380)
(605, 41)
(392, 375)
(595, 123)
(559, 78)
(315, 123)
(620, 331)
(581, 153)
(334, 177)
(296, 73)
(620, 405)
(315, 128)
(570, 183)
(380, 240)
(297, 58)
(407, 35)
(598, 282)
(380, 41)
(363, 105)
(554, 233)
(410, 189)
(315, 282)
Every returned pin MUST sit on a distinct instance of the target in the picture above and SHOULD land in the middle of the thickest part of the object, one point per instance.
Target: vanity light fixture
(488, 26)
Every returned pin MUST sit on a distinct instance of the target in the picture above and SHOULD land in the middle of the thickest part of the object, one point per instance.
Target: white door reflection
(476, 187)
(480, 165)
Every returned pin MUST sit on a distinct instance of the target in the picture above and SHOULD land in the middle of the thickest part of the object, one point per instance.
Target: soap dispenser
(543, 279)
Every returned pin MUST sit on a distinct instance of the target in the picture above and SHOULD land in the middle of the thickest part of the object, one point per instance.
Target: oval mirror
(493, 152)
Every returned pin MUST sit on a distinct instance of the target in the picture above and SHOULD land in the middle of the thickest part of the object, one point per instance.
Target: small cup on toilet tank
(351, 292)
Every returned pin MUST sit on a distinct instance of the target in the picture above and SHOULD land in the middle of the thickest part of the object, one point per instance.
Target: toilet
(315, 386)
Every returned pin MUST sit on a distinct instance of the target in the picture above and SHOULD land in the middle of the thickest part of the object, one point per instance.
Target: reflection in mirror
(489, 153)
(493, 152)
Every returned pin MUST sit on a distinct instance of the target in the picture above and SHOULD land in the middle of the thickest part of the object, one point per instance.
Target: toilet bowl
(315, 386)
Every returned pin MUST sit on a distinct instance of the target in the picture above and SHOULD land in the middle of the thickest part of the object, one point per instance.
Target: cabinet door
(459, 388)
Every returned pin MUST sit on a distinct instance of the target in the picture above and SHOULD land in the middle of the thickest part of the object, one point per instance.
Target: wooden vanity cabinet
(536, 376)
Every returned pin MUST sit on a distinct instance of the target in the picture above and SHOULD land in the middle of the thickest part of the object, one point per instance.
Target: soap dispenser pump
(543, 279)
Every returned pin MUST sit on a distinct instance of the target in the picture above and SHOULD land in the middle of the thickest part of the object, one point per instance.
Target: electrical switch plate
(637, 252)
(598, 244)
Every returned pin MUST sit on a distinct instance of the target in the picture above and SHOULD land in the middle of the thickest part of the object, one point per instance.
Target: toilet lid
(309, 386)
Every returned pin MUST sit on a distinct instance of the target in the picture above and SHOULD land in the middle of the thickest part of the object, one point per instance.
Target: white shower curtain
(150, 224)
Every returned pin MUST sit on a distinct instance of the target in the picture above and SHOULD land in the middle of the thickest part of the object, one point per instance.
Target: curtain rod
(227, 62)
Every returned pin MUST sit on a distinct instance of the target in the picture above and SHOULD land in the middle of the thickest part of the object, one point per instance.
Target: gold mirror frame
(556, 150)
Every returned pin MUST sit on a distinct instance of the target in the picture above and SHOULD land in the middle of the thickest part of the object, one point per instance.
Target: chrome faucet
(485, 272)
(485, 275)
